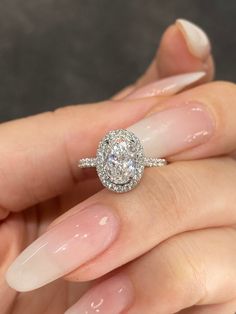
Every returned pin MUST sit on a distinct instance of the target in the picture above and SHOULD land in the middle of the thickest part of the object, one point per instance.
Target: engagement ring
(120, 161)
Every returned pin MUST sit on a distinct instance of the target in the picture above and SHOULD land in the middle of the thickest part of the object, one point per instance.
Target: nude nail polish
(168, 86)
(113, 296)
(196, 39)
(64, 247)
(174, 130)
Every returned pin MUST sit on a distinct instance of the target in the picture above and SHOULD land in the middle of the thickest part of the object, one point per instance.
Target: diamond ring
(120, 161)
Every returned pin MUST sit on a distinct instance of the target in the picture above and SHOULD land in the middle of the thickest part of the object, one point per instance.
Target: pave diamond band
(88, 162)
(148, 162)
(120, 161)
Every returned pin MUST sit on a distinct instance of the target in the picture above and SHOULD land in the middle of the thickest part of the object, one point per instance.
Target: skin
(37, 185)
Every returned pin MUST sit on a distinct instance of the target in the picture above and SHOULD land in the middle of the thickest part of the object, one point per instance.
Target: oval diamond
(120, 164)
(120, 160)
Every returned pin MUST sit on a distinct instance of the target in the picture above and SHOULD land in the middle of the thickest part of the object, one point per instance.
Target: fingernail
(196, 39)
(63, 248)
(112, 296)
(168, 86)
(174, 130)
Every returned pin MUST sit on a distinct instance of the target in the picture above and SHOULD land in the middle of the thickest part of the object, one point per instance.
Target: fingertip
(195, 37)
(179, 51)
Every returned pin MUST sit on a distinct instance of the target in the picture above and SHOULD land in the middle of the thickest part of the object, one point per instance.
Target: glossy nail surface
(174, 130)
(196, 39)
(168, 86)
(63, 248)
(112, 296)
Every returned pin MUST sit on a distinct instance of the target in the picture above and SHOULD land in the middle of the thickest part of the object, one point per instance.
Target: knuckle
(172, 190)
(184, 273)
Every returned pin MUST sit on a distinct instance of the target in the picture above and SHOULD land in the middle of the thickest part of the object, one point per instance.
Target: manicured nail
(168, 86)
(63, 248)
(174, 130)
(196, 39)
(112, 296)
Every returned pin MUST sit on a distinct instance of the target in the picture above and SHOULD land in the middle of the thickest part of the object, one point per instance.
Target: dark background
(57, 52)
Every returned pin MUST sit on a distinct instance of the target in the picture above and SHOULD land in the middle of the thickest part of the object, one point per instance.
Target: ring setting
(120, 161)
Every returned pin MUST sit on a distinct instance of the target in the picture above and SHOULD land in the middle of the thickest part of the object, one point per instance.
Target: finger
(108, 230)
(39, 154)
(184, 48)
(11, 235)
(168, 86)
(223, 308)
(192, 268)
(197, 123)
(206, 127)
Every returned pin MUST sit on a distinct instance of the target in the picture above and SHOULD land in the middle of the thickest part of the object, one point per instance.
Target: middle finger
(109, 230)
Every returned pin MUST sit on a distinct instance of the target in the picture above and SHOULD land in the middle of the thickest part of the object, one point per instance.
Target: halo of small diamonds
(120, 161)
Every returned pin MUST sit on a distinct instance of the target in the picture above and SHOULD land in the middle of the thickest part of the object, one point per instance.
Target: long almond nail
(196, 39)
(174, 130)
(168, 86)
(63, 248)
(112, 296)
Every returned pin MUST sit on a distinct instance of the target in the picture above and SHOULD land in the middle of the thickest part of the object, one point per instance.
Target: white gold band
(148, 162)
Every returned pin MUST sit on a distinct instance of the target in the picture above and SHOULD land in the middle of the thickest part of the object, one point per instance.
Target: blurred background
(58, 52)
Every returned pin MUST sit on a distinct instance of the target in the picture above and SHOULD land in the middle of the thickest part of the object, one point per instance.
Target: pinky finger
(194, 268)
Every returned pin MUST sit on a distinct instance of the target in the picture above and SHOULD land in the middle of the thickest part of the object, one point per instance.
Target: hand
(38, 158)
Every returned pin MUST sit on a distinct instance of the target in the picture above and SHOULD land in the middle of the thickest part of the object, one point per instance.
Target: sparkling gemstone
(120, 161)
(120, 164)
